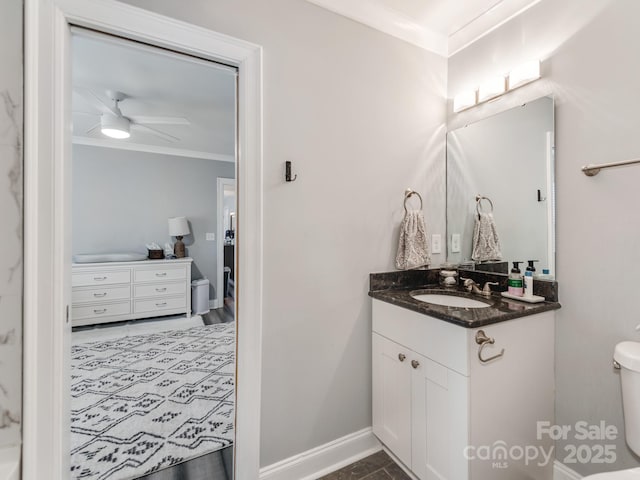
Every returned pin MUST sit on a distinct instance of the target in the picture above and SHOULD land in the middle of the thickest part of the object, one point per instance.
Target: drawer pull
(162, 304)
(160, 290)
(99, 311)
(415, 363)
(100, 295)
(401, 357)
(161, 274)
(99, 279)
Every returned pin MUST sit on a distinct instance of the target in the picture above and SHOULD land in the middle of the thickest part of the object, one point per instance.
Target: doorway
(226, 204)
(152, 383)
(47, 216)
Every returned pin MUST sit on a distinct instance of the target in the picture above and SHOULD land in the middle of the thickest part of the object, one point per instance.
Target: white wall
(361, 116)
(590, 54)
(11, 131)
(122, 200)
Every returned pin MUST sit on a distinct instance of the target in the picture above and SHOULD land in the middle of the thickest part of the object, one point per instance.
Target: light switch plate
(455, 243)
(210, 237)
(436, 243)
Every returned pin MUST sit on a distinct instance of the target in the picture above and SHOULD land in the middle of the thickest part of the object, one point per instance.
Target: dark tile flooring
(378, 466)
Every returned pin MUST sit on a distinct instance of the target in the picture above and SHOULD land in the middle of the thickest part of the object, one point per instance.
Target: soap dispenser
(531, 267)
(516, 281)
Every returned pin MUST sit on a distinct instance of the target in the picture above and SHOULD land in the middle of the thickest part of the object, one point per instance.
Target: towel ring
(407, 194)
(479, 199)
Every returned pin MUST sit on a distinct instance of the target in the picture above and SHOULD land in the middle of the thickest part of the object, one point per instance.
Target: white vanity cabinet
(435, 402)
(116, 291)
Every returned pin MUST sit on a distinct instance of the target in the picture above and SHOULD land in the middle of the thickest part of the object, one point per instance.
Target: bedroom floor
(378, 466)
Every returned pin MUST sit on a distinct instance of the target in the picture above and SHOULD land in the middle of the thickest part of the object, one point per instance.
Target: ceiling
(155, 82)
(441, 26)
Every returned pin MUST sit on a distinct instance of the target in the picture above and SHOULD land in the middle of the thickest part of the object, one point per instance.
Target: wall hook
(287, 172)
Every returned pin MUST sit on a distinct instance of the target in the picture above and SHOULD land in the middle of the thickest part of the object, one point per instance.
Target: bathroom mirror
(509, 159)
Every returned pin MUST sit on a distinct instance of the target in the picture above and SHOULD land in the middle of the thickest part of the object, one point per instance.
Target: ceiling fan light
(114, 127)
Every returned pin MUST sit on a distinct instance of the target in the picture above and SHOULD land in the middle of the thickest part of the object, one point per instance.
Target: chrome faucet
(473, 287)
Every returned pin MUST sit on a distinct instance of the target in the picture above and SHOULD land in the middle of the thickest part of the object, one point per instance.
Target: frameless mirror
(508, 159)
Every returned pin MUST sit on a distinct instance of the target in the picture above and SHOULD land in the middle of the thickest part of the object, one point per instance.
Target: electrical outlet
(455, 243)
(436, 243)
(210, 237)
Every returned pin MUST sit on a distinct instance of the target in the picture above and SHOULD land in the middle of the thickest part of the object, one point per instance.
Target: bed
(142, 403)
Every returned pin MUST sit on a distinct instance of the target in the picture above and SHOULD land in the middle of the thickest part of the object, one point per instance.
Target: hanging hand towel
(486, 244)
(413, 249)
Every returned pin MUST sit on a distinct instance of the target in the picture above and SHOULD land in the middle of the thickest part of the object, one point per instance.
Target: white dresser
(116, 291)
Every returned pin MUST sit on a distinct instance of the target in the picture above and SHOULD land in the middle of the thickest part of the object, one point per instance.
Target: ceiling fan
(114, 124)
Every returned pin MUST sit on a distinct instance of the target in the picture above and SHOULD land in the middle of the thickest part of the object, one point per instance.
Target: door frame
(47, 212)
(221, 182)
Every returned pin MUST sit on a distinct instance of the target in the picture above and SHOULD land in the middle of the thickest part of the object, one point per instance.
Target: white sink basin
(450, 300)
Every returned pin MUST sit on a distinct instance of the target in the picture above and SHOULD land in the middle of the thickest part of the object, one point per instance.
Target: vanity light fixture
(464, 100)
(492, 88)
(523, 74)
(114, 126)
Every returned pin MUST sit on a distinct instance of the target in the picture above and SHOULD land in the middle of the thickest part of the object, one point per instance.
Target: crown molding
(394, 23)
(139, 147)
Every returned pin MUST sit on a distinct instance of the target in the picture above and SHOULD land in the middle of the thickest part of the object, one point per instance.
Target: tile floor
(378, 466)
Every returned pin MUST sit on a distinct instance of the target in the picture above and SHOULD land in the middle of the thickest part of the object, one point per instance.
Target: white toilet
(627, 354)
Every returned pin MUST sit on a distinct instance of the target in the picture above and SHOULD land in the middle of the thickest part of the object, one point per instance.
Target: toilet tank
(627, 354)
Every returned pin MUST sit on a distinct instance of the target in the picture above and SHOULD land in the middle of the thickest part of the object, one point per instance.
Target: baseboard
(214, 304)
(562, 472)
(324, 459)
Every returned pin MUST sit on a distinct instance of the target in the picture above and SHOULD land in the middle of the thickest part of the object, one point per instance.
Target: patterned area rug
(145, 402)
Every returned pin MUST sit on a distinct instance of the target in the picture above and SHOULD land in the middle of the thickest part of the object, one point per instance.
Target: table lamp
(178, 227)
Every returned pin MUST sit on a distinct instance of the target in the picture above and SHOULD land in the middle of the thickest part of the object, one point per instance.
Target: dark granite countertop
(390, 289)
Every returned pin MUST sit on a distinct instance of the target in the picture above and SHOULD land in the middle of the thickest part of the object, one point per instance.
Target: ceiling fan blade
(157, 120)
(157, 133)
(94, 128)
(96, 101)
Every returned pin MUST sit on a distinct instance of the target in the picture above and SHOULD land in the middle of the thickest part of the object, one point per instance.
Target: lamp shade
(178, 226)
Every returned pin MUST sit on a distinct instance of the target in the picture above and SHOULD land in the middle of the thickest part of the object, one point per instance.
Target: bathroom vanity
(115, 291)
(457, 391)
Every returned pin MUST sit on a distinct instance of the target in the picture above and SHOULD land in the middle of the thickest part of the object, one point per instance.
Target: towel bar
(592, 170)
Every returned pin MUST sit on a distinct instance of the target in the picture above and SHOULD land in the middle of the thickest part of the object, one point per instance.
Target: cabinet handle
(99, 279)
(162, 304)
(163, 274)
(401, 357)
(100, 295)
(98, 311)
(415, 363)
(161, 290)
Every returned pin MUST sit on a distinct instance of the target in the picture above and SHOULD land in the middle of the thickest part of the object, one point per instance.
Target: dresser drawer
(160, 304)
(100, 294)
(105, 277)
(101, 310)
(159, 290)
(160, 273)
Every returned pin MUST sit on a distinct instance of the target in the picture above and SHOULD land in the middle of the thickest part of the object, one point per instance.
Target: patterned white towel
(413, 248)
(486, 244)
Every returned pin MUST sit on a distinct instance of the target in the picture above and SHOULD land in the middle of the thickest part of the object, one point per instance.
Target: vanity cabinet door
(439, 421)
(392, 396)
